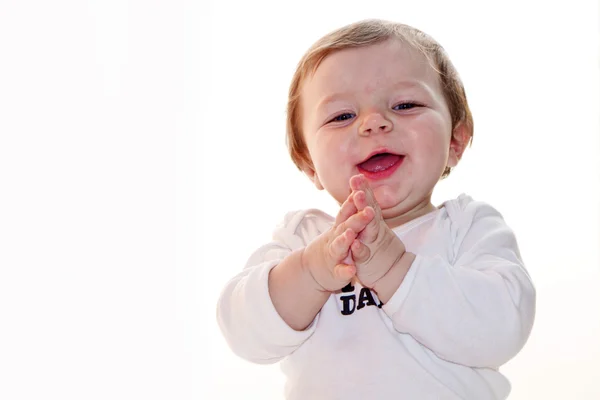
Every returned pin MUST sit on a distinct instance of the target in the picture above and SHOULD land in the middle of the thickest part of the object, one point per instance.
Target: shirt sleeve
(245, 312)
(476, 310)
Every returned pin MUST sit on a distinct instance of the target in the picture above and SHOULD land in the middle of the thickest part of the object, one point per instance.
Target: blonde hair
(365, 33)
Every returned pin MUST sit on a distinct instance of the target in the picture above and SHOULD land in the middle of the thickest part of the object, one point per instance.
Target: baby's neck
(421, 209)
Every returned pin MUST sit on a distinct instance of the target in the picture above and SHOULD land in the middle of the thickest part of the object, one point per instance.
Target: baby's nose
(375, 123)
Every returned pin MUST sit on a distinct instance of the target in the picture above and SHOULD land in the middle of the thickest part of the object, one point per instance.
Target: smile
(380, 165)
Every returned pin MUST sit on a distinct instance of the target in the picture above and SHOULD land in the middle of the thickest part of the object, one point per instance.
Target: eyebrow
(331, 98)
(401, 84)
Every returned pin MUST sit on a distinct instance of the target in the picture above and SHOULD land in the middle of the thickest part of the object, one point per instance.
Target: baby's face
(379, 111)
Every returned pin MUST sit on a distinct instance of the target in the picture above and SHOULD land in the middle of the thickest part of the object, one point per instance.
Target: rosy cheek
(344, 147)
(334, 146)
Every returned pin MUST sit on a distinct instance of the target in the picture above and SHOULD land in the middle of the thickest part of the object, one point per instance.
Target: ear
(309, 170)
(458, 143)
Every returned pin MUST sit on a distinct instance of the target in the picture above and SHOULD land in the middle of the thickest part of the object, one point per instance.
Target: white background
(142, 159)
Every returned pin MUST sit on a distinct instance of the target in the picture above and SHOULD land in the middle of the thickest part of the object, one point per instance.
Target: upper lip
(379, 151)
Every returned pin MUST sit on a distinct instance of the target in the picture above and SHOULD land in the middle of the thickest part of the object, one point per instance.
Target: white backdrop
(142, 159)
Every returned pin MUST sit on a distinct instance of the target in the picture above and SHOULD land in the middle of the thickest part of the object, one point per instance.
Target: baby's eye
(405, 106)
(342, 117)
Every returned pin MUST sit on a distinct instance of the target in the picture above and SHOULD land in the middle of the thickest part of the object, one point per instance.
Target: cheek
(343, 147)
(331, 156)
(431, 135)
(331, 150)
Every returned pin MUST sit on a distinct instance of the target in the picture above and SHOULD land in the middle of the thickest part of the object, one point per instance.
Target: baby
(395, 298)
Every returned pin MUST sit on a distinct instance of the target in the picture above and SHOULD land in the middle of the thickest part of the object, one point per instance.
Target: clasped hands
(359, 244)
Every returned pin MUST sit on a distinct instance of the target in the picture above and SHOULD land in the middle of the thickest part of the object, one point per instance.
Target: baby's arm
(301, 284)
(268, 310)
(477, 311)
(247, 318)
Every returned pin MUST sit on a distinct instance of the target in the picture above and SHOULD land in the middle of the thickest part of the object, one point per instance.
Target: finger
(370, 233)
(347, 209)
(344, 272)
(369, 195)
(360, 252)
(360, 200)
(340, 246)
(360, 183)
(357, 222)
(356, 182)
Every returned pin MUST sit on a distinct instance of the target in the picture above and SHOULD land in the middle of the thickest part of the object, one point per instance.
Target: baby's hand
(377, 248)
(327, 258)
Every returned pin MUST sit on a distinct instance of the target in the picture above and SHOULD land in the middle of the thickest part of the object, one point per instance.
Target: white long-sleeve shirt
(465, 307)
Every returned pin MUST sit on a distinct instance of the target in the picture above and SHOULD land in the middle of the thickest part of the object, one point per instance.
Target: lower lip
(374, 176)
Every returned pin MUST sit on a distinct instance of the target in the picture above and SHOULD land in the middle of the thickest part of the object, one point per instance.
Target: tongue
(379, 162)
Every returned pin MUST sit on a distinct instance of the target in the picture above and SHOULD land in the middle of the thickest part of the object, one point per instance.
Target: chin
(386, 198)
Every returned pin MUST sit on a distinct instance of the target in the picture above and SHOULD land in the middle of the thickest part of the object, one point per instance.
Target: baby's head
(381, 99)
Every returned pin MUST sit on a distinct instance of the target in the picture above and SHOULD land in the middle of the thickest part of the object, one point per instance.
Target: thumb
(344, 272)
(360, 252)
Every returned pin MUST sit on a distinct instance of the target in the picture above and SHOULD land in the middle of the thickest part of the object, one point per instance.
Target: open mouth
(380, 165)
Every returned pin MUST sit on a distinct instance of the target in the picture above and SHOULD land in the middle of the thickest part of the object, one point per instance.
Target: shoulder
(465, 215)
(465, 211)
(471, 221)
(300, 227)
(296, 230)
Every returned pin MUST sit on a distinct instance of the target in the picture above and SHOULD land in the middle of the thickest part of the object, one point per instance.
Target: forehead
(370, 68)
